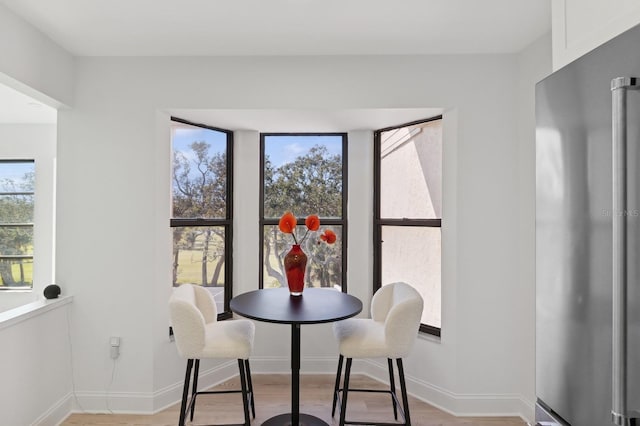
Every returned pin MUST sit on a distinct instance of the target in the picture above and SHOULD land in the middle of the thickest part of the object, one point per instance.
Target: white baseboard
(149, 402)
(478, 405)
(56, 413)
(456, 404)
(168, 396)
(113, 402)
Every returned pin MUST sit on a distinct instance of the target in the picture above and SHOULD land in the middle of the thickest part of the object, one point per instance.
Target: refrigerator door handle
(619, 413)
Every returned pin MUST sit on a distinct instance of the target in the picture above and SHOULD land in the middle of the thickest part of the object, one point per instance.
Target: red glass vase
(295, 263)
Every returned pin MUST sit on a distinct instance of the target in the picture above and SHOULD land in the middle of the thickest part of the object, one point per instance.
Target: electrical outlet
(114, 343)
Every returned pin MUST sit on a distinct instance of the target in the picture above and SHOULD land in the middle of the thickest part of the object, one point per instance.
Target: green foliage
(199, 192)
(199, 189)
(311, 184)
(16, 273)
(16, 232)
(190, 267)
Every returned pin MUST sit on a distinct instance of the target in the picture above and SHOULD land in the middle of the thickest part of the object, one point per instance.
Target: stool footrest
(192, 402)
(393, 395)
(221, 391)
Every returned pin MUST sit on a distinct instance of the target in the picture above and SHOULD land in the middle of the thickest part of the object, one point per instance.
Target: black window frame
(227, 222)
(342, 222)
(379, 222)
(20, 225)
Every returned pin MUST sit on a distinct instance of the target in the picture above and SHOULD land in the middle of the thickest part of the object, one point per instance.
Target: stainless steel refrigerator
(588, 238)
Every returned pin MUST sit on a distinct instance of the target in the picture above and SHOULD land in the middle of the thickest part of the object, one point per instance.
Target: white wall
(113, 215)
(33, 64)
(35, 366)
(37, 142)
(579, 26)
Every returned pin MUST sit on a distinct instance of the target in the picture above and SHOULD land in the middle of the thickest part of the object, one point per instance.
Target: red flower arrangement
(295, 261)
(328, 236)
(288, 223)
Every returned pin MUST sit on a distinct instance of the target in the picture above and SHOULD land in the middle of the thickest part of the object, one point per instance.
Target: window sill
(429, 337)
(30, 310)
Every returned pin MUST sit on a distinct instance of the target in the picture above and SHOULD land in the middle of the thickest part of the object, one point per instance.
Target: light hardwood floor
(272, 397)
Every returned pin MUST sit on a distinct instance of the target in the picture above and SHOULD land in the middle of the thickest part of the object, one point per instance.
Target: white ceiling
(274, 27)
(286, 27)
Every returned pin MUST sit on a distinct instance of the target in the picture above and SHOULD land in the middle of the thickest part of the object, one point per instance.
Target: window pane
(17, 182)
(411, 172)
(16, 273)
(303, 174)
(412, 254)
(324, 261)
(16, 208)
(17, 176)
(199, 172)
(16, 240)
(199, 256)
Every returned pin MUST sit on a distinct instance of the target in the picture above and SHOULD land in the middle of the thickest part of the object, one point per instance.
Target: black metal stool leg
(185, 393)
(194, 389)
(392, 384)
(403, 389)
(345, 391)
(245, 396)
(336, 388)
(250, 383)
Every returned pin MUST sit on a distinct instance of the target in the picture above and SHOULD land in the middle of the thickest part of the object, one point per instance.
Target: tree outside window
(17, 183)
(201, 208)
(304, 174)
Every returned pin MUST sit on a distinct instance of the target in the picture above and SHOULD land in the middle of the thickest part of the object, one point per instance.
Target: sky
(283, 149)
(183, 136)
(15, 171)
(280, 149)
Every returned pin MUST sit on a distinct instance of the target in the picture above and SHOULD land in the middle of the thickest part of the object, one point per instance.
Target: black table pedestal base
(285, 420)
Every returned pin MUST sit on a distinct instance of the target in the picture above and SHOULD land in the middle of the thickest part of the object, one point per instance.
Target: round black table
(314, 306)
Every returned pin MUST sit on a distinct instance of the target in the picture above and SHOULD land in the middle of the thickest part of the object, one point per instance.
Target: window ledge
(429, 337)
(30, 310)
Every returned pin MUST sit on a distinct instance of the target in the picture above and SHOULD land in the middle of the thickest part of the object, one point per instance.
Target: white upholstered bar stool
(199, 335)
(390, 333)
